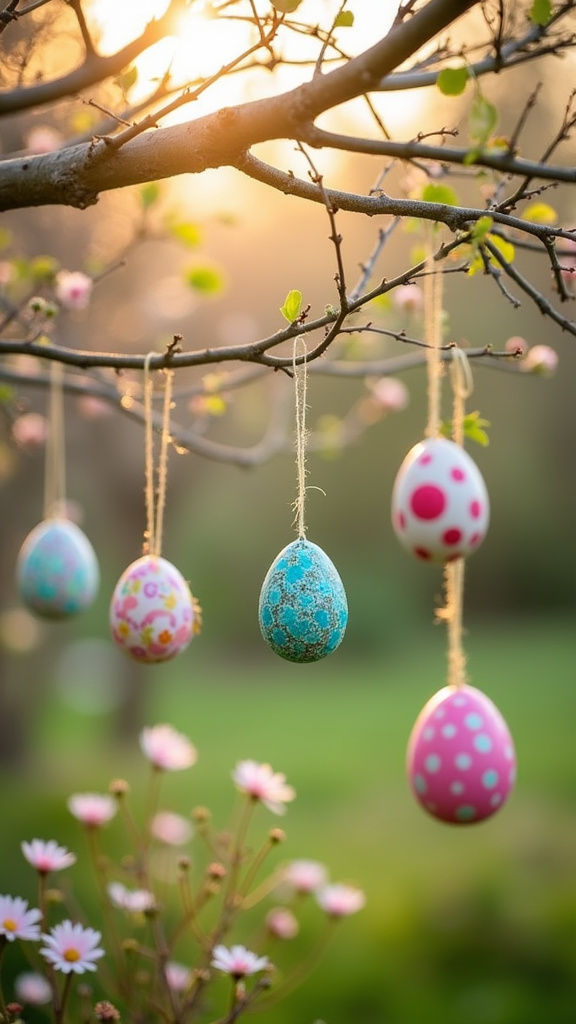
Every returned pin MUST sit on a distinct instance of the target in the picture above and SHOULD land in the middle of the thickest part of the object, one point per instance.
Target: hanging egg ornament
(440, 505)
(153, 615)
(303, 609)
(461, 761)
(57, 571)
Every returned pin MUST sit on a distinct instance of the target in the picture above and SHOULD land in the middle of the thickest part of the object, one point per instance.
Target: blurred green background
(474, 924)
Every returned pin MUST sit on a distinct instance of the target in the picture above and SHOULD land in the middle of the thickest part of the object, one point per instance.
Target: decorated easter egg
(461, 761)
(57, 571)
(440, 506)
(302, 609)
(153, 615)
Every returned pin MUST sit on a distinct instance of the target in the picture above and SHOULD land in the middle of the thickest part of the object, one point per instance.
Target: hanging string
(433, 288)
(55, 470)
(462, 385)
(156, 499)
(300, 385)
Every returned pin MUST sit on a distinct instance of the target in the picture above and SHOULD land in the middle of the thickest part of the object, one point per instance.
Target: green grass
(474, 924)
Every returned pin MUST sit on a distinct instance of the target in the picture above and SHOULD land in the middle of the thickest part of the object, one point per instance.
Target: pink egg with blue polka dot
(461, 760)
(440, 505)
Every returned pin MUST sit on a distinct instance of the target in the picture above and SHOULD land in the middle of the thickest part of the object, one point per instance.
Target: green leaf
(344, 20)
(149, 194)
(541, 213)
(286, 6)
(187, 233)
(452, 81)
(433, 193)
(505, 248)
(474, 428)
(5, 238)
(43, 268)
(481, 229)
(205, 279)
(540, 12)
(482, 119)
(127, 79)
(292, 305)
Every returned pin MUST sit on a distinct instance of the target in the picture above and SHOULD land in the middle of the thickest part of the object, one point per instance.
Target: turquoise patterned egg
(303, 609)
(57, 571)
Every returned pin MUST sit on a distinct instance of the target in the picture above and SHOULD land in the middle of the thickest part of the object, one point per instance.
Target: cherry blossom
(167, 749)
(540, 359)
(238, 961)
(70, 948)
(340, 900)
(30, 430)
(391, 394)
(47, 855)
(73, 289)
(408, 298)
(261, 783)
(17, 921)
(92, 809)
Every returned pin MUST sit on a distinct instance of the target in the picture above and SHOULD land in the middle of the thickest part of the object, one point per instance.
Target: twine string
(433, 289)
(55, 470)
(462, 386)
(300, 371)
(156, 496)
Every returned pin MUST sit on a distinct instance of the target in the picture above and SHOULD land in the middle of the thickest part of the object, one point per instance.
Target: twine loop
(156, 479)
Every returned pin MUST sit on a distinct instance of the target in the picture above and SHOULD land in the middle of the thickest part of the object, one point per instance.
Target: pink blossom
(391, 394)
(73, 289)
(540, 359)
(70, 948)
(340, 900)
(136, 901)
(408, 298)
(261, 783)
(167, 749)
(516, 344)
(43, 138)
(7, 272)
(30, 430)
(17, 921)
(238, 961)
(305, 876)
(178, 976)
(281, 923)
(92, 809)
(170, 828)
(47, 856)
(32, 988)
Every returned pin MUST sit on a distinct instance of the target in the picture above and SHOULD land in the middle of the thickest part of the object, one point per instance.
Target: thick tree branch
(75, 176)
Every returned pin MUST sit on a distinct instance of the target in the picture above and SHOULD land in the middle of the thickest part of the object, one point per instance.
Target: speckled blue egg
(303, 609)
(57, 571)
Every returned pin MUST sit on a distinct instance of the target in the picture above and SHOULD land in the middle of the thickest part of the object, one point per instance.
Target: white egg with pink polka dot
(461, 760)
(440, 505)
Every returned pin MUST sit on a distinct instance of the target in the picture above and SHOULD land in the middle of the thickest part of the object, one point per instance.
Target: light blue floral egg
(303, 609)
(57, 571)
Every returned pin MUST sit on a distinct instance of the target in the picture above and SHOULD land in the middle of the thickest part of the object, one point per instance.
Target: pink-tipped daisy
(167, 749)
(238, 961)
(17, 921)
(305, 875)
(47, 855)
(340, 900)
(92, 809)
(261, 783)
(136, 901)
(72, 949)
(281, 923)
(32, 988)
(178, 976)
(171, 828)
